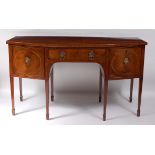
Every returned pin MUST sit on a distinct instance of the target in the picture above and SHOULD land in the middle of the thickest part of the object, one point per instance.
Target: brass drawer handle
(27, 60)
(91, 55)
(126, 61)
(62, 54)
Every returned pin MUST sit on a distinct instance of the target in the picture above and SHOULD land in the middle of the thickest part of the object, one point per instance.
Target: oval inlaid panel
(28, 61)
(125, 62)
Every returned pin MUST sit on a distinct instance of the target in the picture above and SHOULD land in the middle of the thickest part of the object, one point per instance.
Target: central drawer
(81, 55)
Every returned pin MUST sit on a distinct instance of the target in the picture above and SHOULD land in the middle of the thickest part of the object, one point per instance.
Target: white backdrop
(29, 132)
(79, 78)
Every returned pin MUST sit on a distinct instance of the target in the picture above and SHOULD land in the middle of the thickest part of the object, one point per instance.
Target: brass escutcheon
(126, 61)
(62, 54)
(91, 55)
(27, 60)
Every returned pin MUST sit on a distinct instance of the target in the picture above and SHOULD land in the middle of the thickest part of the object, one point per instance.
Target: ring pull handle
(126, 61)
(62, 55)
(27, 60)
(91, 55)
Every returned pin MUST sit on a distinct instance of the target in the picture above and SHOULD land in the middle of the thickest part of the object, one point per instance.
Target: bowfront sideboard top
(69, 41)
(118, 58)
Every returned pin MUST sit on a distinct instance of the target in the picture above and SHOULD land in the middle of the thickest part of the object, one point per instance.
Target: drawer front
(28, 62)
(125, 62)
(81, 55)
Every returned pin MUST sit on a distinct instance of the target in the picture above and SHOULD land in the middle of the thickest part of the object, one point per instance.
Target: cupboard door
(28, 62)
(125, 62)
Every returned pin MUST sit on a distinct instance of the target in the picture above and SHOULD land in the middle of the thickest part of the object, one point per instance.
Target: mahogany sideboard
(119, 58)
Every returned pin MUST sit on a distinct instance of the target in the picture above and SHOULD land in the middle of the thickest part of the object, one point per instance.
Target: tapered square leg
(12, 94)
(131, 90)
(105, 98)
(20, 89)
(47, 98)
(52, 89)
(138, 113)
(100, 86)
(139, 95)
(47, 116)
(104, 117)
(13, 112)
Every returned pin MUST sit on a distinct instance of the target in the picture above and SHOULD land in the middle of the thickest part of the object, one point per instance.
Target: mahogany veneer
(34, 56)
